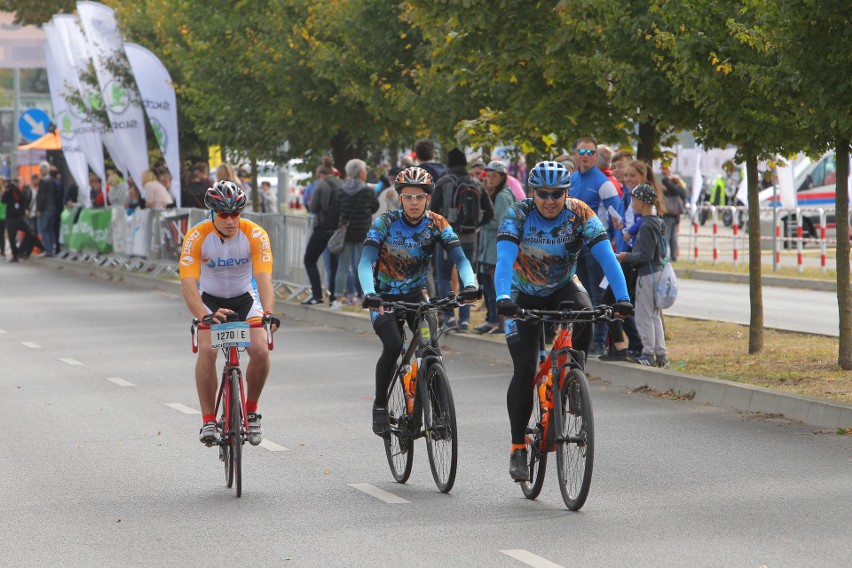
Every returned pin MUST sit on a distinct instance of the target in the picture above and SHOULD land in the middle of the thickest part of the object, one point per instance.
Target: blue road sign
(33, 124)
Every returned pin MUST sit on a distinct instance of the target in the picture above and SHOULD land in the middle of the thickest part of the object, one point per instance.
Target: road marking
(120, 382)
(2, 331)
(379, 494)
(70, 361)
(530, 559)
(182, 408)
(30, 344)
(272, 446)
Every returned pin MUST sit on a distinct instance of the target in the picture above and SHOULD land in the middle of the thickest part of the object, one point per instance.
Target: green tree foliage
(30, 12)
(814, 38)
(723, 60)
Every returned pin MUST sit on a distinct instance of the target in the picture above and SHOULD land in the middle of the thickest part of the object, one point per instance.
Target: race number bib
(232, 334)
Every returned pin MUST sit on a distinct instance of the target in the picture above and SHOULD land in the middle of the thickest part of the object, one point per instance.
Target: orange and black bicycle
(231, 338)
(562, 420)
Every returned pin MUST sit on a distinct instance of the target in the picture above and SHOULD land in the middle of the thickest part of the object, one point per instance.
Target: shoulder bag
(338, 237)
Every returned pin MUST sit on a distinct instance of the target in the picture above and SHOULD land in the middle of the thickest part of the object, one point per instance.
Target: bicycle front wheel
(439, 412)
(537, 458)
(575, 437)
(399, 445)
(236, 440)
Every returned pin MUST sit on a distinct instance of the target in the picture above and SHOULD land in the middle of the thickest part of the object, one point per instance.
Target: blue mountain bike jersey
(547, 248)
(405, 251)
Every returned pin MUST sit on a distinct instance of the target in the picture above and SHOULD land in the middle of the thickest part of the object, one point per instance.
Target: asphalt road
(99, 470)
(783, 308)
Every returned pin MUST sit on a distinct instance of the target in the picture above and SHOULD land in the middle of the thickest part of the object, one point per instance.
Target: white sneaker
(336, 305)
(255, 430)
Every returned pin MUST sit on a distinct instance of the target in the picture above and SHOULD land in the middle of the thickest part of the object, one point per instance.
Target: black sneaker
(381, 427)
(311, 302)
(519, 469)
(464, 327)
(616, 355)
(662, 362)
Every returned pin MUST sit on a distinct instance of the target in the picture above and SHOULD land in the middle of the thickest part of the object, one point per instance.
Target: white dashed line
(379, 494)
(2, 331)
(272, 446)
(530, 559)
(70, 361)
(182, 408)
(120, 382)
(30, 344)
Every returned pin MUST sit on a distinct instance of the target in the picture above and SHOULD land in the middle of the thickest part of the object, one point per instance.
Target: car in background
(815, 183)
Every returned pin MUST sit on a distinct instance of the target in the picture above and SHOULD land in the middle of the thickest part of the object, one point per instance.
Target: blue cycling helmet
(550, 174)
(225, 197)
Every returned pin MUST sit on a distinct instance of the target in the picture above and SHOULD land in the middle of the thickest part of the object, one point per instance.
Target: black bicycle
(420, 401)
(562, 418)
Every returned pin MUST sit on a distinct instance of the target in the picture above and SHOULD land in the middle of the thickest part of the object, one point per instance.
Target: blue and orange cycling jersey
(547, 248)
(405, 250)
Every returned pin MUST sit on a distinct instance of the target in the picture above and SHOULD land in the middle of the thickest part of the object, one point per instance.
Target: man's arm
(265, 291)
(189, 287)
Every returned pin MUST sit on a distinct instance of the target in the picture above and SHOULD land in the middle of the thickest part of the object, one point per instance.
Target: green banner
(91, 231)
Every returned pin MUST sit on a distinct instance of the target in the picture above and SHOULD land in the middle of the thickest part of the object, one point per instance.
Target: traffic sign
(33, 124)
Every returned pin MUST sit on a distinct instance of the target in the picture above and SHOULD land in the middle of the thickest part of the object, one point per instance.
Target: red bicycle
(562, 419)
(232, 338)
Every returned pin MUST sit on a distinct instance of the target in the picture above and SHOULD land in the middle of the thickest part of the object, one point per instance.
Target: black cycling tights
(524, 348)
(389, 330)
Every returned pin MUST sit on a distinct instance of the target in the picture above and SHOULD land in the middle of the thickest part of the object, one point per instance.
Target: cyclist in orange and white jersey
(226, 268)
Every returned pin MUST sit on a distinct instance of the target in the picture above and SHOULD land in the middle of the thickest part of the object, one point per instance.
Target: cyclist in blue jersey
(397, 255)
(537, 247)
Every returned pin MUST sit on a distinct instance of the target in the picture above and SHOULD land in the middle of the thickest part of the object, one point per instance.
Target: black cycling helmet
(414, 177)
(225, 197)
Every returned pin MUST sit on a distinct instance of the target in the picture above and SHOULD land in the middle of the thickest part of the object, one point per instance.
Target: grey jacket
(325, 203)
(649, 246)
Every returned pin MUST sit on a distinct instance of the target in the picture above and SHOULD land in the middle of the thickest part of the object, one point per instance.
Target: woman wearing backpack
(503, 198)
(648, 258)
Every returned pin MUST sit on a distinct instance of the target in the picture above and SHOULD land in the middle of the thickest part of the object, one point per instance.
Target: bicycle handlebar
(430, 305)
(266, 322)
(602, 312)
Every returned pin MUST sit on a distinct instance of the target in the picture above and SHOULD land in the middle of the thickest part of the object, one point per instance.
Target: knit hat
(496, 166)
(456, 157)
(644, 192)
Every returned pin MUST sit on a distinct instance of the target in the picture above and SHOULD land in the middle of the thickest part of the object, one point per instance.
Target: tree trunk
(343, 150)
(647, 141)
(841, 214)
(255, 190)
(755, 328)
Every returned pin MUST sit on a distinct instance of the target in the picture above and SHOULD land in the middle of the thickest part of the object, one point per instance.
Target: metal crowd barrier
(784, 230)
(148, 241)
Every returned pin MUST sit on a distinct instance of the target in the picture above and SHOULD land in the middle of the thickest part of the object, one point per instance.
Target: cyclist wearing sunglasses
(537, 247)
(397, 255)
(226, 270)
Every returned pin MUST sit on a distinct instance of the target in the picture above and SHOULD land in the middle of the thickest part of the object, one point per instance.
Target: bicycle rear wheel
(236, 427)
(439, 412)
(575, 441)
(537, 458)
(399, 445)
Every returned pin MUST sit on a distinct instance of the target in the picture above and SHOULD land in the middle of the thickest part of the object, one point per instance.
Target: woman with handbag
(649, 258)
(674, 195)
(358, 202)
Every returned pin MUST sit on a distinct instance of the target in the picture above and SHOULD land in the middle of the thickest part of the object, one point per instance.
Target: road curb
(768, 280)
(746, 398)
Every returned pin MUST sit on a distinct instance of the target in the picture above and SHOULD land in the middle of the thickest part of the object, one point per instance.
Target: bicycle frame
(232, 362)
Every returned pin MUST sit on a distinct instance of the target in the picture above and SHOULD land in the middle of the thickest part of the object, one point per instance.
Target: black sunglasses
(555, 195)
